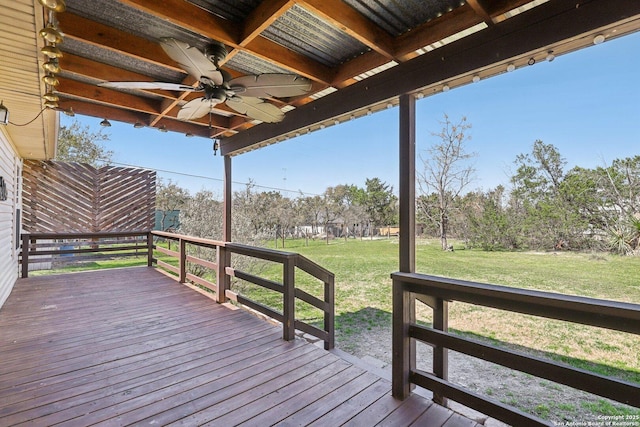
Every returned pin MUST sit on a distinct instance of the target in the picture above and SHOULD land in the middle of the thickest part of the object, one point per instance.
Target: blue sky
(586, 103)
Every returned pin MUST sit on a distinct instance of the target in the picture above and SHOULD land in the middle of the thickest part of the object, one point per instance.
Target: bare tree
(445, 172)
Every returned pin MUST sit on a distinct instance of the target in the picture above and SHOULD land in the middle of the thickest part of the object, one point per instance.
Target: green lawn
(363, 295)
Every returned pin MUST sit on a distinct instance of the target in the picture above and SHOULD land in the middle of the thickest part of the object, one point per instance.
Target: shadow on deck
(132, 346)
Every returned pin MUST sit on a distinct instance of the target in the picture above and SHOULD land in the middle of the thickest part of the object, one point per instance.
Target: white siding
(10, 167)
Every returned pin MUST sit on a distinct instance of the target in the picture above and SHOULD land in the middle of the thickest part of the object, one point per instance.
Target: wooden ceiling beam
(407, 44)
(499, 7)
(457, 20)
(102, 111)
(85, 67)
(111, 97)
(264, 15)
(190, 16)
(98, 70)
(350, 21)
(187, 127)
(479, 8)
(357, 66)
(109, 38)
(293, 61)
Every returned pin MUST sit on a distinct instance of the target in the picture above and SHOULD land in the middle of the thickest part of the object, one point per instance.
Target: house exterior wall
(10, 167)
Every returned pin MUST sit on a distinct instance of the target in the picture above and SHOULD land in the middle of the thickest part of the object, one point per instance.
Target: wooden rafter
(353, 23)
(106, 37)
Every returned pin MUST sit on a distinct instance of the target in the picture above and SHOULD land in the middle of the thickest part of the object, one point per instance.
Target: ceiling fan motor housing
(215, 93)
(216, 52)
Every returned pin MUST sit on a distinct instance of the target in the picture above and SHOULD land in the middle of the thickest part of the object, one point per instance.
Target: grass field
(362, 269)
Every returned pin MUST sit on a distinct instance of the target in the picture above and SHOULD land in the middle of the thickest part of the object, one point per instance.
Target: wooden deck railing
(437, 292)
(221, 252)
(64, 248)
(213, 255)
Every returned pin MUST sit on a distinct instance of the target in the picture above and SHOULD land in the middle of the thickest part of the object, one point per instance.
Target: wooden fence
(60, 197)
(437, 292)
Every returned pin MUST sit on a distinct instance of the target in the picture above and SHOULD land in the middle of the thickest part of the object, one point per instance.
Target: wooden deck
(132, 346)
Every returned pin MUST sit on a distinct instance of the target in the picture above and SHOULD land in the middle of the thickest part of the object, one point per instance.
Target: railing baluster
(25, 255)
(223, 280)
(329, 314)
(183, 260)
(403, 358)
(288, 296)
(440, 353)
(149, 249)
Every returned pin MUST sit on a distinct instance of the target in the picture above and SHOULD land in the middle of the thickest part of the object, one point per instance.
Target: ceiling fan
(243, 94)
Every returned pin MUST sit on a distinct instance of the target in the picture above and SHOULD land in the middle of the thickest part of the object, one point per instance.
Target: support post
(407, 184)
(224, 257)
(289, 299)
(25, 255)
(404, 305)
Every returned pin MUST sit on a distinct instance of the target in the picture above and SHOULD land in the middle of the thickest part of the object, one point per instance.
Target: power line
(210, 178)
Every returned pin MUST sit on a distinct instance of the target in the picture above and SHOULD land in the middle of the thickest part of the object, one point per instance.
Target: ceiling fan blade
(271, 85)
(149, 85)
(196, 108)
(256, 108)
(191, 59)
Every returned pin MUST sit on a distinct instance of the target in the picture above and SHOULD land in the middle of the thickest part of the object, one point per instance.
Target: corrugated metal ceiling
(301, 31)
(400, 16)
(233, 10)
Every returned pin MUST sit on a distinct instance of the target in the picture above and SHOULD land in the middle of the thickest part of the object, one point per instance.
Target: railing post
(183, 260)
(441, 354)
(25, 255)
(329, 315)
(223, 281)
(403, 359)
(289, 302)
(149, 249)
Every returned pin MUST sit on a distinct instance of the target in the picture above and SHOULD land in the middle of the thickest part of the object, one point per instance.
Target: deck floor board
(132, 346)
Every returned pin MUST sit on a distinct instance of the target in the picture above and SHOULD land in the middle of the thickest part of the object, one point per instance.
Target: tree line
(546, 207)
(342, 211)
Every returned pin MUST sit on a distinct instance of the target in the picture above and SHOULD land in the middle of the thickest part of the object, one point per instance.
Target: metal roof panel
(307, 34)
(233, 10)
(399, 16)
